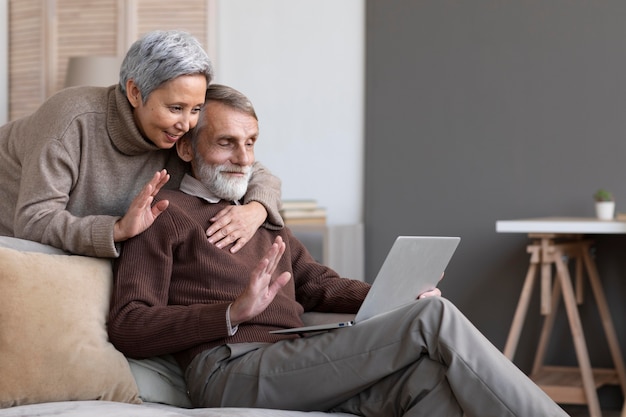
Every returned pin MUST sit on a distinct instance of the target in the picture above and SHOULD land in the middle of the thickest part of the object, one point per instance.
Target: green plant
(603, 195)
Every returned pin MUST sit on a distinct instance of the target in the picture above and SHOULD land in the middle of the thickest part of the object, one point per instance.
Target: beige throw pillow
(53, 339)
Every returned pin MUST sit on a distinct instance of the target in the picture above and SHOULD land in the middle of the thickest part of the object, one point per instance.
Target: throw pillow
(53, 340)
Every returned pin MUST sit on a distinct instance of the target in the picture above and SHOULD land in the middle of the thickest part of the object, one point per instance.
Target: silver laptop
(413, 265)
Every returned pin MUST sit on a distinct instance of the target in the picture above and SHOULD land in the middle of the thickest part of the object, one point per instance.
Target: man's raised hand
(262, 288)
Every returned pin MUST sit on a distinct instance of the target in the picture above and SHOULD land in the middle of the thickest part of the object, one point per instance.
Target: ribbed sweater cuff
(102, 237)
(212, 322)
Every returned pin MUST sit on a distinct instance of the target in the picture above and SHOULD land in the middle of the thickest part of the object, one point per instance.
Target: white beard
(224, 187)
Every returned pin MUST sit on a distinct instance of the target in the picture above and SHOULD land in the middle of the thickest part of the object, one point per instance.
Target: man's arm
(141, 321)
(319, 288)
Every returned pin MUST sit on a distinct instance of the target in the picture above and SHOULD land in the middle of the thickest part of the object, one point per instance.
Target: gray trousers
(425, 359)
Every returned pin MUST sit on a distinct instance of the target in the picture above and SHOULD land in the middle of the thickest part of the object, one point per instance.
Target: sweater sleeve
(319, 288)
(264, 187)
(48, 176)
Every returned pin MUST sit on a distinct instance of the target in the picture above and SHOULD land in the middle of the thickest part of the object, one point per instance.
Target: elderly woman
(81, 172)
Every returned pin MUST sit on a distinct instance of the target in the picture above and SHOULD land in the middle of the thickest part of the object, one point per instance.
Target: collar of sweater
(192, 186)
(122, 128)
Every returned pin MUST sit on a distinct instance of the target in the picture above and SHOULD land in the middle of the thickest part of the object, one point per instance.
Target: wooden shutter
(44, 34)
(26, 56)
(190, 16)
(84, 27)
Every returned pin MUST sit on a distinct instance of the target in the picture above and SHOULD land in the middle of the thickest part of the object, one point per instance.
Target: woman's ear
(184, 148)
(132, 93)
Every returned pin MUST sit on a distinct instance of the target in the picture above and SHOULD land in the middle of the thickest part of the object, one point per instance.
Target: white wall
(4, 61)
(302, 65)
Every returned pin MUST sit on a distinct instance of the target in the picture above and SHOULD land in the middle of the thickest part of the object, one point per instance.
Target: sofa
(55, 356)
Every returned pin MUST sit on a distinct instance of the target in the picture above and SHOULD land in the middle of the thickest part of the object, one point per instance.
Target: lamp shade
(101, 71)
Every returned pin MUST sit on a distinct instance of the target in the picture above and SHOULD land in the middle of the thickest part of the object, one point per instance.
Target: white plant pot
(605, 210)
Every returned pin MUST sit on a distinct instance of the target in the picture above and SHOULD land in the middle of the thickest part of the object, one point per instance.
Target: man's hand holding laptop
(435, 292)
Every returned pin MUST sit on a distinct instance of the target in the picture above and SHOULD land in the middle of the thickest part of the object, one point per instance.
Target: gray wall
(486, 110)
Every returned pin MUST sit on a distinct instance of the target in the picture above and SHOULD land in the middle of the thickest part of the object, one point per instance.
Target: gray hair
(227, 96)
(161, 56)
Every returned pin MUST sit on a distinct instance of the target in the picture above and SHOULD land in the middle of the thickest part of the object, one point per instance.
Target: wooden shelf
(565, 385)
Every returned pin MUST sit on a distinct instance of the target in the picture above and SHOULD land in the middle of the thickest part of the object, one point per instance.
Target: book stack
(302, 212)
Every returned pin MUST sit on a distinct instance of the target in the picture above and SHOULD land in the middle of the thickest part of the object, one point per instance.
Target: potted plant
(605, 204)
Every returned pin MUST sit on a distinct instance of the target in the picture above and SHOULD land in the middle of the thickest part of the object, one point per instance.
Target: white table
(555, 242)
(562, 225)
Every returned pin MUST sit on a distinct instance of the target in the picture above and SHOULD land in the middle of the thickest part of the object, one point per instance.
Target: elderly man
(175, 293)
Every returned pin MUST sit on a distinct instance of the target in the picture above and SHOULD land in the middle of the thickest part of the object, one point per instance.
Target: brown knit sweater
(70, 170)
(172, 287)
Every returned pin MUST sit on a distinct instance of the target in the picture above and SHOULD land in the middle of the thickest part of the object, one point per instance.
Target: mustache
(233, 168)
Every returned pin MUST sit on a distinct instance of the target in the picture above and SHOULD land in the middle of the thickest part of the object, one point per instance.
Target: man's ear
(184, 148)
(132, 93)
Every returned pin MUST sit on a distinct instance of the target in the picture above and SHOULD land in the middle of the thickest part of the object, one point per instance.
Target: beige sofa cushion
(53, 340)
